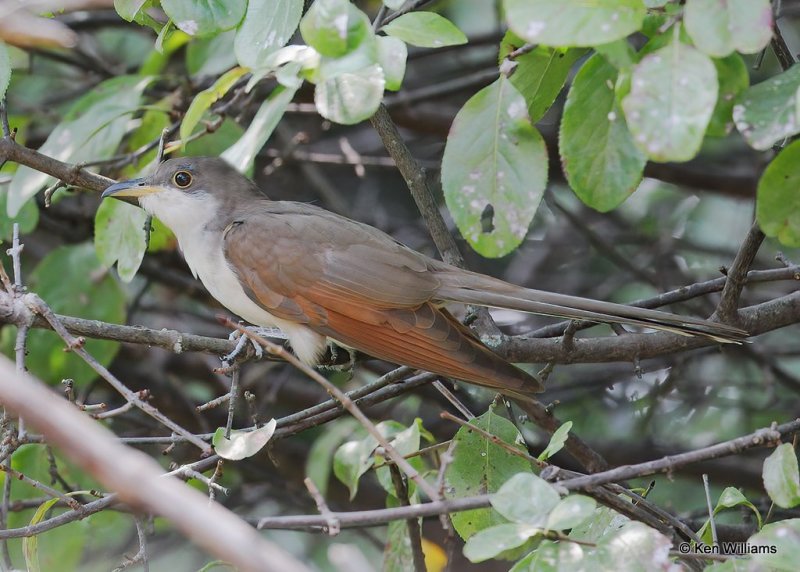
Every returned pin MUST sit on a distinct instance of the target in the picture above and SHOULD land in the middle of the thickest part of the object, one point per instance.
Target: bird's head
(188, 191)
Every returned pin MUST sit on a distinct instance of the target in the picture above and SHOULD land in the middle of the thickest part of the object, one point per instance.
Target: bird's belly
(221, 282)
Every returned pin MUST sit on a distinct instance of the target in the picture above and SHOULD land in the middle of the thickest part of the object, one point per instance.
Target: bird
(320, 276)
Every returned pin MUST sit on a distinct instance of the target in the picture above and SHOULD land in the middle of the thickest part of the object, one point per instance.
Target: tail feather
(471, 288)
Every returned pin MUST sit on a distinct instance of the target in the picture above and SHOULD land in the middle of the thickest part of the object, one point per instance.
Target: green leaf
(729, 498)
(733, 79)
(27, 217)
(634, 548)
(673, 94)
(767, 113)
(405, 443)
(491, 541)
(604, 521)
(267, 26)
(129, 9)
(619, 54)
(334, 27)
(350, 97)
(732, 497)
(392, 54)
(73, 282)
(119, 237)
(574, 22)
(212, 55)
(320, 456)
(206, 98)
(777, 199)
(351, 461)
(242, 153)
(30, 544)
(552, 556)
(777, 547)
(242, 443)
(540, 74)
(557, 441)
(425, 29)
(203, 17)
(354, 458)
(602, 163)
(525, 498)
(719, 27)
(5, 69)
(494, 169)
(781, 477)
(397, 554)
(92, 130)
(570, 512)
(480, 466)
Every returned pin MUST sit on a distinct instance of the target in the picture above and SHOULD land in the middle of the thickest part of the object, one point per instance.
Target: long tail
(472, 288)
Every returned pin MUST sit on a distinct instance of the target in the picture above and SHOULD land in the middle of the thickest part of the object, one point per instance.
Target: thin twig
(332, 523)
(346, 402)
(710, 506)
(75, 345)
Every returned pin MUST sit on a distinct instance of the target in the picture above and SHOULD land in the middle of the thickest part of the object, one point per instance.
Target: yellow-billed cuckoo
(317, 275)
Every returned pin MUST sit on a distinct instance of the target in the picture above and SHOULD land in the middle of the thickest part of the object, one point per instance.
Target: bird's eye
(182, 179)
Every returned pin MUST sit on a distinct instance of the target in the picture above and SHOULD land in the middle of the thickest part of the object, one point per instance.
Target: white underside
(187, 218)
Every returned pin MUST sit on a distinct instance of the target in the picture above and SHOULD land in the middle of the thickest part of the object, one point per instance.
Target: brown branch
(137, 478)
(760, 438)
(75, 345)
(757, 319)
(737, 275)
(72, 175)
(417, 182)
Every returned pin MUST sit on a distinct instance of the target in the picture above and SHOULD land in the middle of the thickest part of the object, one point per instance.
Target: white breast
(204, 254)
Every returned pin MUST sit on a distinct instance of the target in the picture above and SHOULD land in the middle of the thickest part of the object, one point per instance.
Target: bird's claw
(333, 364)
(243, 338)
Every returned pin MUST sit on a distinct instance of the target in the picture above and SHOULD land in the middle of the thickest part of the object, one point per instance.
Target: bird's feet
(340, 359)
(244, 338)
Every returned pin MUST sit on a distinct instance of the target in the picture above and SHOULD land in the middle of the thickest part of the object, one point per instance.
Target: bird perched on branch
(318, 276)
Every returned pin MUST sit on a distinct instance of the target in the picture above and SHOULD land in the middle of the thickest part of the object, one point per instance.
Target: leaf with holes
(574, 22)
(719, 27)
(602, 163)
(494, 169)
(673, 94)
(767, 112)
